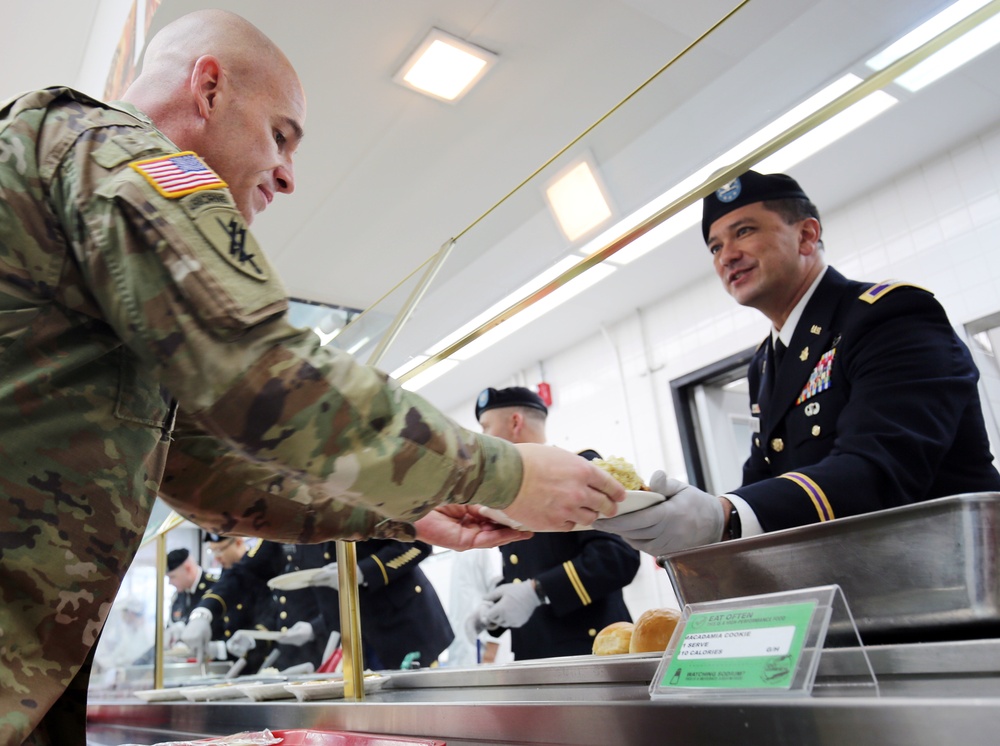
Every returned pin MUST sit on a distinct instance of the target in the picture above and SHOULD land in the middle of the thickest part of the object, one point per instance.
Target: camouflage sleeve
(184, 285)
(223, 492)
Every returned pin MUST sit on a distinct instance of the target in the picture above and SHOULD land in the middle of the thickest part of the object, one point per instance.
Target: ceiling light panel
(578, 200)
(445, 67)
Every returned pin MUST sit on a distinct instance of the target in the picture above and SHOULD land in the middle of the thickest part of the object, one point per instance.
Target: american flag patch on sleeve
(178, 174)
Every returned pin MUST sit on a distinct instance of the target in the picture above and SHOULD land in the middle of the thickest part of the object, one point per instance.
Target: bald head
(213, 83)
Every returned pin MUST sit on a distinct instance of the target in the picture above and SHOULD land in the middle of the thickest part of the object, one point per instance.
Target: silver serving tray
(923, 572)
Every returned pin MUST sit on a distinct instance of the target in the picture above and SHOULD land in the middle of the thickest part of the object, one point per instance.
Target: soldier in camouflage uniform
(131, 290)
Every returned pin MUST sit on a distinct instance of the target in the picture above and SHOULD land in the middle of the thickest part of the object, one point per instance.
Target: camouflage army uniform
(117, 301)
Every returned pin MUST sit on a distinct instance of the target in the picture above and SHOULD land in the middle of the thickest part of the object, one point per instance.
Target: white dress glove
(688, 518)
(475, 625)
(240, 643)
(298, 634)
(198, 631)
(174, 632)
(511, 605)
(329, 576)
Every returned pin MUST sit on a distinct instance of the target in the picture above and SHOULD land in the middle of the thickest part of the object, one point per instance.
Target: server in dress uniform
(558, 590)
(400, 611)
(190, 581)
(301, 615)
(862, 396)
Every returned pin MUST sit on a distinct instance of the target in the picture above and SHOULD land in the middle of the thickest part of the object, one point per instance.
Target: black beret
(744, 190)
(515, 396)
(176, 558)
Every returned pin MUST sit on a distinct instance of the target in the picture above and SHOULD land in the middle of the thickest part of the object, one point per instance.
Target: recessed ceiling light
(444, 66)
(577, 200)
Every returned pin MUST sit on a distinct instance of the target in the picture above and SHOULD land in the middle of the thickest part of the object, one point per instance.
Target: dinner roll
(653, 630)
(613, 639)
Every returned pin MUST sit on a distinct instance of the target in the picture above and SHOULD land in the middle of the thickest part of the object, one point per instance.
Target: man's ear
(809, 235)
(206, 83)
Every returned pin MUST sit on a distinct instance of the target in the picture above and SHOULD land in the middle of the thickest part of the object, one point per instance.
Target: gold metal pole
(161, 571)
(350, 621)
(347, 557)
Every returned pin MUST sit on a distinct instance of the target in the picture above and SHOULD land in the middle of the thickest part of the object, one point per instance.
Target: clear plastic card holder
(769, 645)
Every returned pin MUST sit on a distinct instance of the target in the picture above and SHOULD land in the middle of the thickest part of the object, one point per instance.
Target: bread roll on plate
(613, 639)
(653, 630)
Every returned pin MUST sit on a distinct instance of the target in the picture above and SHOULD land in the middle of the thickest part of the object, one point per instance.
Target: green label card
(756, 648)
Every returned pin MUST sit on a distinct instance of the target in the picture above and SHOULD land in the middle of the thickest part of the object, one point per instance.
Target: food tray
(308, 691)
(923, 572)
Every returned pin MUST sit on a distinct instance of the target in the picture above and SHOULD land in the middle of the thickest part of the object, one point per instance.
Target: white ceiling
(385, 176)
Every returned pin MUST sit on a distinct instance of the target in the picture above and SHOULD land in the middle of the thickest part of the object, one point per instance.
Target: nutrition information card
(756, 645)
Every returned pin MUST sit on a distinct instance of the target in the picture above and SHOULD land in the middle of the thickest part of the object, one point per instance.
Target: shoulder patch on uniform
(881, 289)
(175, 175)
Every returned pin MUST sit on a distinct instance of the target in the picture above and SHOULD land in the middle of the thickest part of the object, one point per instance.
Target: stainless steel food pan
(922, 572)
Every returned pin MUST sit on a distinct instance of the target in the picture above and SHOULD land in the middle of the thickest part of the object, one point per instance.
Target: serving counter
(927, 575)
(934, 693)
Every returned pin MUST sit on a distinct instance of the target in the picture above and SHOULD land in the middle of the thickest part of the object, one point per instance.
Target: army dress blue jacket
(874, 405)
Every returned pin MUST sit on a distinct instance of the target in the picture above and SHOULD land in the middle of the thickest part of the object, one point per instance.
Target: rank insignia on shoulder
(179, 174)
(881, 289)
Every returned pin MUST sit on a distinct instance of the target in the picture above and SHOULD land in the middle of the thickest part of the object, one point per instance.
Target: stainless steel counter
(934, 693)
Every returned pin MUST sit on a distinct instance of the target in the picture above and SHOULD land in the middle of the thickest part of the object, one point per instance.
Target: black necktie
(779, 353)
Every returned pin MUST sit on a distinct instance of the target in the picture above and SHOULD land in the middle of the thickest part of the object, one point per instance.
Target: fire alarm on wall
(545, 392)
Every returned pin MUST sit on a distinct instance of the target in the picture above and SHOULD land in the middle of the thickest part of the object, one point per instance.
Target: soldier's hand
(462, 527)
(511, 605)
(327, 576)
(688, 518)
(559, 490)
(298, 634)
(240, 643)
(174, 632)
(198, 631)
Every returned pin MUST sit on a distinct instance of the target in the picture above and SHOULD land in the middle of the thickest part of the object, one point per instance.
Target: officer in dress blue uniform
(400, 612)
(190, 581)
(301, 615)
(558, 589)
(863, 397)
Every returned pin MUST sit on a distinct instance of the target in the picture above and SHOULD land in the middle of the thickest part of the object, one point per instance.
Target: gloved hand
(198, 631)
(240, 643)
(512, 604)
(329, 576)
(173, 633)
(476, 623)
(688, 518)
(298, 634)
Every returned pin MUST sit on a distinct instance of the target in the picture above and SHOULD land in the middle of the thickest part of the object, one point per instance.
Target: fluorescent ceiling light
(577, 200)
(925, 32)
(358, 345)
(539, 308)
(983, 37)
(833, 129)
(827, 133)
(556, 298)
(435, 371)
(534, 284)
(444, 66)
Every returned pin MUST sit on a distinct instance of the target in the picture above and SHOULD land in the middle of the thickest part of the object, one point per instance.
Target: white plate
(305, 691)
(293, 581)
(160, 695)
(264, 691)
(634, 500)
(209, 693)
